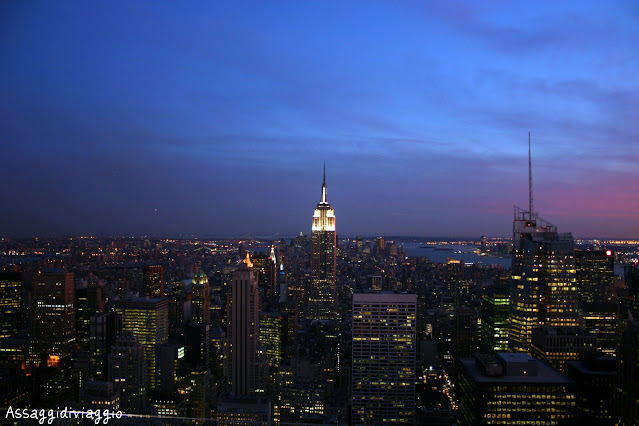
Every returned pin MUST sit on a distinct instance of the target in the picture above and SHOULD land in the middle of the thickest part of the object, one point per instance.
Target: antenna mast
(324, 182)
(530, 193)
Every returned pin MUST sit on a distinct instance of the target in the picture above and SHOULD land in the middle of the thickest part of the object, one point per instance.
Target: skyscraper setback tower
(323, 245)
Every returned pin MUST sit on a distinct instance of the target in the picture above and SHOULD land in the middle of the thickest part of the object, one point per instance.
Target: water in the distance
(441, 254)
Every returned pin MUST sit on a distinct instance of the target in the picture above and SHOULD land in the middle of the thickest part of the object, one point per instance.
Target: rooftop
(517, 368)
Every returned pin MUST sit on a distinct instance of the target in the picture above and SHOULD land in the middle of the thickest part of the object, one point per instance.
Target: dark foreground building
(513, 389)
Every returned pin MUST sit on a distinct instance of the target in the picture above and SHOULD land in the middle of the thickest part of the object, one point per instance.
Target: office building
(10, 304)
(171, 369)
(544, 281)
(513, 389)
(274, 336)
(595, 375)
(53, 316)
(603, 321)
(626, 406)
(197, 400)
(265, 271)
(384, 357)
(244, 410)
(544, 289)
(148, 319)
(88, 302)
(495, 311)
(98, 395)
(127, 372)
(153, 281)
(464, 333)
(557, 345)
(323, 294)
(244, 331)
(198, 345)
(103, 330)
(201, 300)
(595, 274)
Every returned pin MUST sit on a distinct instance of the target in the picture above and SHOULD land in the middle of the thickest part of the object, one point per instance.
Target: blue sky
(216, 117)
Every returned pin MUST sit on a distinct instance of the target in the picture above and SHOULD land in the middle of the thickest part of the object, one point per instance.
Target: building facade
(544, 283)
(244, 332)
(384, 357)
(557, 345)
(10, 303)
(148, 319)
(127, 372)
(53, 316)
(513, 389)
(154, 281)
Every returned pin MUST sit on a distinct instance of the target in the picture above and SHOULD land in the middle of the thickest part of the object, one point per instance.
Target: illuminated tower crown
(323, 216)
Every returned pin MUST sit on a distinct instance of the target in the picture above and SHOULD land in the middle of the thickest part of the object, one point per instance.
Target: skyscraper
(595, 274)
(274, 336)
(544, 283)
(148, 319)
(495, 308)
(384, 356)
(513, 389)
(201, 300)
(127, 372)
(53, 317)
(323, 298)
(154, 281)
(244, 330)
(10, 303)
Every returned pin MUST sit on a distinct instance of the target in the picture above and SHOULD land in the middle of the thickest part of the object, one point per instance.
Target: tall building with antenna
(544, 283)
(323, 300)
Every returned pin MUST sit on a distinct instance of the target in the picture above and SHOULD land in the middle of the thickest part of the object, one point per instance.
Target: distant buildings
(384, 357)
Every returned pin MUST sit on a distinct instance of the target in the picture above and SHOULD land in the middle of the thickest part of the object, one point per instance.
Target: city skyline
(147, 119)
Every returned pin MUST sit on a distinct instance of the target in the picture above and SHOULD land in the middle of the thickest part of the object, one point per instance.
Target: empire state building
(323, 300)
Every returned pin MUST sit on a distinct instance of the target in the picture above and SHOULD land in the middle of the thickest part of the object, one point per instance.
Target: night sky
(216, 117)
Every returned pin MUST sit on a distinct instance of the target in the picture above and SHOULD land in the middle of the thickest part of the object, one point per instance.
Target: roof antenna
(530, 192)
(324, 183)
